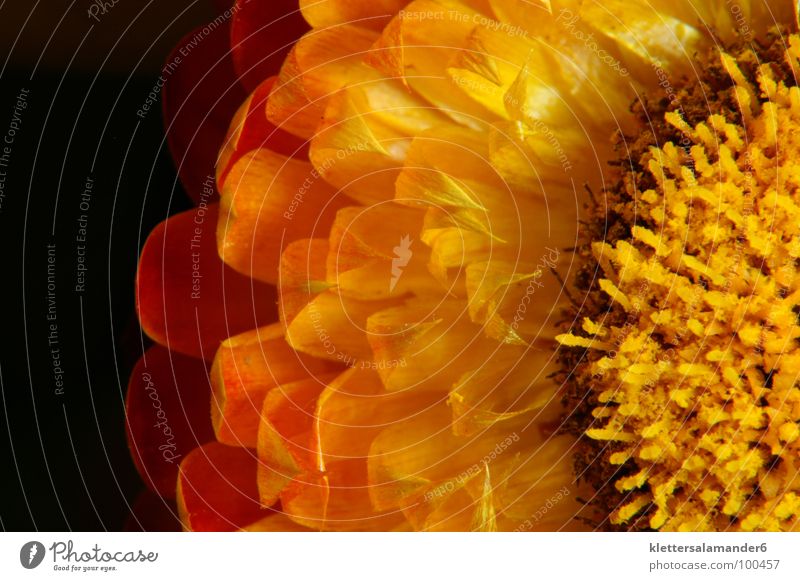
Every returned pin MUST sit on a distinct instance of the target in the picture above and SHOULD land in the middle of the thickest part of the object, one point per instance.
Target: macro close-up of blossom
(476, 265)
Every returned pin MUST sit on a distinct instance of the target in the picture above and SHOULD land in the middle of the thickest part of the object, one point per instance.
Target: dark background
(65, 462)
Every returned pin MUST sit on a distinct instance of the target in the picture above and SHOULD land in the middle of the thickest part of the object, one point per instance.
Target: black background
(66, 465)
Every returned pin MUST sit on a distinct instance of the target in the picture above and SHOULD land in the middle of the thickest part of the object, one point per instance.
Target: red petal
(187, 299)
(245, 369)
(250, 129)
(262, 33)
(167, 407)
(151, 513)
(201, 93)
(217, 489)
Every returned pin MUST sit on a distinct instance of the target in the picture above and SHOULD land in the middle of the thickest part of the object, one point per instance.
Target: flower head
(413, 183)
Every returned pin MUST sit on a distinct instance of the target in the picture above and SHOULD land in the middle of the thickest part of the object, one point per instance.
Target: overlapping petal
(217, 489)
(187, 299)
(166, 406)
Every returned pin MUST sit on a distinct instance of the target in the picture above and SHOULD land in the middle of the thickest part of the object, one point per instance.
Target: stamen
(689, 406)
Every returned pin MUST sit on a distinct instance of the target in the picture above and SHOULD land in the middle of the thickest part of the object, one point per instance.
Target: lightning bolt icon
(402, 254)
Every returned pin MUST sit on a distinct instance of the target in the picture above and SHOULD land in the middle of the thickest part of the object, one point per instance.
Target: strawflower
(479, 265)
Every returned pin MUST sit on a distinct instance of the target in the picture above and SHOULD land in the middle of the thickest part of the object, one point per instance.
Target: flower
(694, 375)
(412, 183)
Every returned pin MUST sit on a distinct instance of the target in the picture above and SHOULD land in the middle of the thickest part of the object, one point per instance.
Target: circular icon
(31, 554)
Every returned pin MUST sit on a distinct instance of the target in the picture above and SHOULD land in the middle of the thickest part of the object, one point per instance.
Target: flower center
(682, 364)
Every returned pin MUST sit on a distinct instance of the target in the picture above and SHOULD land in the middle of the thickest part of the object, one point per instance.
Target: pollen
(693, 390)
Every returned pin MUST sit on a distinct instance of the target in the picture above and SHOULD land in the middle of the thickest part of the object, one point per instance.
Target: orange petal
(287, 106)
(318, 65)
(284, 436)
(167, 411)
(300, 438)
(355, 150)
(424, 343)
(515, 382)
(331, 12)
(337, 500)
(355, 407)
(526, 486)
(515, 301)
(318, 321)
(276, 523)
(187, 299)
(334, 328)
(424, 449)
(245, 369)
(418, 46)
(375, 253)
(302, 276)
(217, 489)
(251, 130)
(269, 201)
